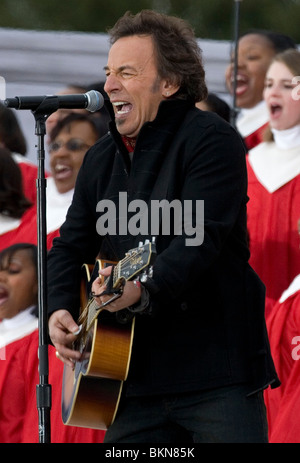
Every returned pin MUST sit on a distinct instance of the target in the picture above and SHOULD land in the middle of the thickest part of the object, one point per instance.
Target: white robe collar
(250, 120)
(292, 289)
(273, 166)
(57, 205)
(8, 223)
(12, 329)
(286, 139)
(22, 159)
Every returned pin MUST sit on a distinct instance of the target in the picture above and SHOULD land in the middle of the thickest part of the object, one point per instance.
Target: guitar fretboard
(133, 263)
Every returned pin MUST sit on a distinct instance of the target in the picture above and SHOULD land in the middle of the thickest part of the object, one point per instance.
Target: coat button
(184, 306)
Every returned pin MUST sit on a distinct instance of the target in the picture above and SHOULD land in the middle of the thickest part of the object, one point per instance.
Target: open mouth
(62, 171)
(275, 110)
(241, 84)
(3, 295)
(122, 107)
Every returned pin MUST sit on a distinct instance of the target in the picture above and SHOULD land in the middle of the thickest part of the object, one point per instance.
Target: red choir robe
(14, 231)
(15, 338)
(29, 175)
(251, 124)
(283, 403)
(18, 380)
(25, 230)
(273, 214)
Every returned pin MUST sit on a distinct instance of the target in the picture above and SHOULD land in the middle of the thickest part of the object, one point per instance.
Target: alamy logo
(296, 90)
(180, 218)
(296, 350)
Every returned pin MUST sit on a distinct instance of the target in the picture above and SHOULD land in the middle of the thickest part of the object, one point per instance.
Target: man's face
(133, 84)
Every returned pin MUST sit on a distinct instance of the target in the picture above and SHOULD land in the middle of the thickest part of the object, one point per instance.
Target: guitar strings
(83, 318)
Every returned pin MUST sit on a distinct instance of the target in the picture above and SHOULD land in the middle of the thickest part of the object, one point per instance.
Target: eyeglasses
(71, 145)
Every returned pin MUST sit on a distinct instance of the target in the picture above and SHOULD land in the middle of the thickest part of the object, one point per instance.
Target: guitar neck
(135, 261)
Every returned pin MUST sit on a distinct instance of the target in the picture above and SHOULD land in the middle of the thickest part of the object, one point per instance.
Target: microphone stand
(43, 390)
(234, 110)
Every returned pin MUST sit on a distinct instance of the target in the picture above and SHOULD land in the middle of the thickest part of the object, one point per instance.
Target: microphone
(92, 101)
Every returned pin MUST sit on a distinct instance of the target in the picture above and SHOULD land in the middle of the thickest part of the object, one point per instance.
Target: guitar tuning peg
(143, 277)
(153, 239)
(140, 244)
(147, 241)
(150, 272)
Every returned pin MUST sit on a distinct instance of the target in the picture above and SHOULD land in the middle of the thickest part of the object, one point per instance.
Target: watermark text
(164, 217)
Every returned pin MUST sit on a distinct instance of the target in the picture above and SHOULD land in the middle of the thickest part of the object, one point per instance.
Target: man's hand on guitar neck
(131, 293)
(63, 331)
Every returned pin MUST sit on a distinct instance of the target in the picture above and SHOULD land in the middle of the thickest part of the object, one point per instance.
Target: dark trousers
(224, 415)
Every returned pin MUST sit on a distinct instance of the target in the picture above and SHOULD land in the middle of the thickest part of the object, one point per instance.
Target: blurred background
(210, 18)
(47, 45)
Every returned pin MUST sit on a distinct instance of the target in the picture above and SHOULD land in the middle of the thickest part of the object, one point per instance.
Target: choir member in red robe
(13, 138)
(15, 209)
(283, 404)
(274, 183)
(70, 140)
(19, 343)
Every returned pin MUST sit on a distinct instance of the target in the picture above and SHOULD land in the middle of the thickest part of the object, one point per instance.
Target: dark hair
(278, 41)
(13, 202)
(8, 253)
(11, 134)
(218, 106)
(291, 59)
(101, 117)
(74, 117)
(178, 55)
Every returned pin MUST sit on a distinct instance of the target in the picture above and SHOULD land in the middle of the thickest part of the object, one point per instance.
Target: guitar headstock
(136, 261)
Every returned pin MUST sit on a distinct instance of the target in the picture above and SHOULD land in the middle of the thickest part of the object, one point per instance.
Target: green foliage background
(211, 19)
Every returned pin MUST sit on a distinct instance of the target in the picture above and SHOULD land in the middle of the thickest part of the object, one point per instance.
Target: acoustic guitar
(91, 391)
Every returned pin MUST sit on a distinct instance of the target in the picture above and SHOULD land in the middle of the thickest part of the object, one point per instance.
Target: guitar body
(91, 391)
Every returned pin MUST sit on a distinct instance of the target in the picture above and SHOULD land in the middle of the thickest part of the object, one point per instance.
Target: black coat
(207, 328)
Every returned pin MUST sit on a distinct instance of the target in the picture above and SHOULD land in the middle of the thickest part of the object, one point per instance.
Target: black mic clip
(49, 105)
